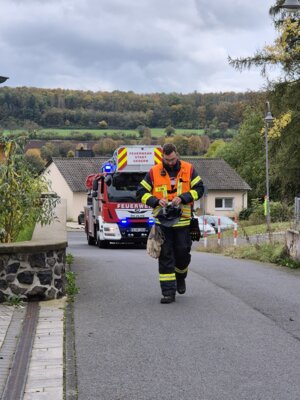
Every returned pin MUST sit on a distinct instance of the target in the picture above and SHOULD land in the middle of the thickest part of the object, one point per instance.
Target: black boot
(167, 299)
(181, 286)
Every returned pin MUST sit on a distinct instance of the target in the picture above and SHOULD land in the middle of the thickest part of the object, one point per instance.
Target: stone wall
(293, 243)
(35, 269)
(35, 275)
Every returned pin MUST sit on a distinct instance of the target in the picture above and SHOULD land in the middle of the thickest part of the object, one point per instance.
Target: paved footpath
(45, 372)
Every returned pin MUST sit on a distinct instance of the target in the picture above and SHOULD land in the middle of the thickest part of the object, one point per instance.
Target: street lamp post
(268, 119)
(3, 79)
(291, 5)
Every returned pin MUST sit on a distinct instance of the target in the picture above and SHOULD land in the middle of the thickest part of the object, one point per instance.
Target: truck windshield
(123, 187)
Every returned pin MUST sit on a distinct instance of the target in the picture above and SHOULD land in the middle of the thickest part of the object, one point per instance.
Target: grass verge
(252, 230)
(275, 253)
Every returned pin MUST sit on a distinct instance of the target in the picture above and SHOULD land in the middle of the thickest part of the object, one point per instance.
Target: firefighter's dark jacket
(146, 188)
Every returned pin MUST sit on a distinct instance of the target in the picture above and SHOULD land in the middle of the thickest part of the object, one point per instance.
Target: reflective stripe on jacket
(162, 188)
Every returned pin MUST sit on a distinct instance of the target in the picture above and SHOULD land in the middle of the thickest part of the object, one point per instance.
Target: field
(62, 133)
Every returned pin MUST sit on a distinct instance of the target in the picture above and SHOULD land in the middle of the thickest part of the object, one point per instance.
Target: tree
(48, 151)
(194, 145)
(177, 113)
(205, 143)
(145, 141)
(64, 148)
(161, 141)
(103, 124)
(71, 154)
(285, 99)
(147, 134)
(284, 141)
(34, 161)
(61, 108)
(80, 146)
(97, 148)
(32, 128)
(109, 145)
(21, 193)
(285, 51)
(246, 153)
(105, 146)
(181, 143)
(202, 116)
(214, 148)
(223, 126)
(169, 130)
(140, 129)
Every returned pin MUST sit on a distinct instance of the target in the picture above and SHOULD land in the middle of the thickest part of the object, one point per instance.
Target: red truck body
(112, 213)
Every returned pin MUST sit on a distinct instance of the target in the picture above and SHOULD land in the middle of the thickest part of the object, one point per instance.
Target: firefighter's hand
(163, 202)
(176, 201)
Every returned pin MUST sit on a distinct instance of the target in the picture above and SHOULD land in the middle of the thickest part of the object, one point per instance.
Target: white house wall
(79, 201)
(240, 201)
(60, 186)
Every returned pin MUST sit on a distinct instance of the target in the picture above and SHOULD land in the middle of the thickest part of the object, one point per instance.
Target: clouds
(140, 45)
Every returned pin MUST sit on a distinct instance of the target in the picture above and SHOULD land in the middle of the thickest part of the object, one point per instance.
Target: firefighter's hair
(168, 148)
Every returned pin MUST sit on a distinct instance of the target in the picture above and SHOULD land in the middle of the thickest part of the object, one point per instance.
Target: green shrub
(22, 200)
(245, 214)
(279, 212)
(256, 217)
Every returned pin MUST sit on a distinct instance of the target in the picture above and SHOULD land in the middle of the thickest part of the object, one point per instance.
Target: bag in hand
(195, 230)
(154, 242)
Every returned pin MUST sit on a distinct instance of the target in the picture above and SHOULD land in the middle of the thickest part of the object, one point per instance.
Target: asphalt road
(234, 335)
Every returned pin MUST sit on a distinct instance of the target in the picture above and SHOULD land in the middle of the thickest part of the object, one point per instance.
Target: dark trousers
(174, 258)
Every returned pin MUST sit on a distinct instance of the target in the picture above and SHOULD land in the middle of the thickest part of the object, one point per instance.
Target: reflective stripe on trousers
(174, 258)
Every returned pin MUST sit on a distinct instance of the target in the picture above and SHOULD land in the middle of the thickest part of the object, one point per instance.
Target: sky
(144, 46)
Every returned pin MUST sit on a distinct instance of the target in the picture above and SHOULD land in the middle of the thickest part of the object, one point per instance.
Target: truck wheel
(91, 240)
(102, 244)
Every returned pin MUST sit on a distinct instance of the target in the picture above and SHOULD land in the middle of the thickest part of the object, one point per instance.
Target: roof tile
(215, 173)
(76, 169)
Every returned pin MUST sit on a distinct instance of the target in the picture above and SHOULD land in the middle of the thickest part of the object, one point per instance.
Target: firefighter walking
(170, 188)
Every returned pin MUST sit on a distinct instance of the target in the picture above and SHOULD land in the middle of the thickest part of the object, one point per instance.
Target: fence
(241, 240)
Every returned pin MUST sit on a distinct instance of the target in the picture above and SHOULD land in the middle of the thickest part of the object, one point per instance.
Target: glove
(195, 230)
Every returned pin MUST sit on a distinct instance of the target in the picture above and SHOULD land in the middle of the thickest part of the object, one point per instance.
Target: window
(224, 203)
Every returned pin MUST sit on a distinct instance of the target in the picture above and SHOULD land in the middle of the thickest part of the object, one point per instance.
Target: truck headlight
(111, 230)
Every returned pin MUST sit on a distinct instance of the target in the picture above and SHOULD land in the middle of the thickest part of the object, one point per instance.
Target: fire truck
(112, 213)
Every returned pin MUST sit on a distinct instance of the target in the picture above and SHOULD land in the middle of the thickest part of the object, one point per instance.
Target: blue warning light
(108, 167)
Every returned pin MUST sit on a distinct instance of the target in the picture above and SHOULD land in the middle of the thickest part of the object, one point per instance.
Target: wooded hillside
(58, 108)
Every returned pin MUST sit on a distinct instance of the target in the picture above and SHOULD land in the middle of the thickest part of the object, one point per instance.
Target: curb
(70, 369)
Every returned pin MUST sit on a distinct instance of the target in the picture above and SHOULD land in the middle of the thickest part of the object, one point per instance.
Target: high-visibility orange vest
(162, 186)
